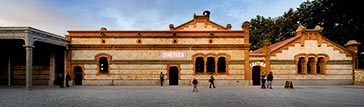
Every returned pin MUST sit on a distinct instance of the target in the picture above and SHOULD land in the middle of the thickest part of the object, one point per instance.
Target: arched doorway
(78, 75)
(256, 75)
(173, 75)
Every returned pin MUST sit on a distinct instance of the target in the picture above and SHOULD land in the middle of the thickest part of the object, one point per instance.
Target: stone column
(29, 66)
(64, 67)
(51, 68)
(204, 65)
(216, 70)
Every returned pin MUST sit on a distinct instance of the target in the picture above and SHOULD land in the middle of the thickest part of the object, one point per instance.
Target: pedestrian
(194, 83)
(270, 79)
(68, 78)
(263, 78)
(161, 76)
(60, 80)
(212, 83)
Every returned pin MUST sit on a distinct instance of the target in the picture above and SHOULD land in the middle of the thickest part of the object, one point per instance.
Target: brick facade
(136, 57)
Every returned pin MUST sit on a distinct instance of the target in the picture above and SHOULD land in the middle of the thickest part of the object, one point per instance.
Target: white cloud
(59, 16)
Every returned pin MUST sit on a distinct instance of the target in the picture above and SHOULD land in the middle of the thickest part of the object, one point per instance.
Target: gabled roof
(200, 22)
(298, 38)
(274, 47)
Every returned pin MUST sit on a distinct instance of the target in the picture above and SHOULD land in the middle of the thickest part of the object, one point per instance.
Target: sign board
(173, 55)
(257, 64)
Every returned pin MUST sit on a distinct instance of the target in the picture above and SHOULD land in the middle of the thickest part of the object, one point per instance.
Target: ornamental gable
(200, 23)
(306, 42)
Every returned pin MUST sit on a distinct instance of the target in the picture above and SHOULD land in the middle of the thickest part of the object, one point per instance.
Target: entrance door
(173, 75)
(78, 75)
(256, 75)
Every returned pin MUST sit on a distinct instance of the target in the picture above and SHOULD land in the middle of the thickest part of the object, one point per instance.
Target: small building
(307, 58)
(198, 48)
(30, 56)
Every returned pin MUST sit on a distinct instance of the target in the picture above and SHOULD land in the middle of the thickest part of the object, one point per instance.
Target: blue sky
(58, 16)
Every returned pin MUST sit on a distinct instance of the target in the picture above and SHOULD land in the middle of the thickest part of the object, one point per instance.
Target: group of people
(195, 82)
(264, 78)
(268, 78)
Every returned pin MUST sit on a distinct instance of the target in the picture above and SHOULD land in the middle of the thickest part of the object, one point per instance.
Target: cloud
(58, 16)
(32, 13)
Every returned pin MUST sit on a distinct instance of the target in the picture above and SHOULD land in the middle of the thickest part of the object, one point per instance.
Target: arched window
(210, 65)
(320, 66)
(221, 65)
(199, 65)
(301, 65)
(311, 65)
(103, 65)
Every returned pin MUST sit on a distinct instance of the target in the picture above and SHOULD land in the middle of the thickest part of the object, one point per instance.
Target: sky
(59, 16)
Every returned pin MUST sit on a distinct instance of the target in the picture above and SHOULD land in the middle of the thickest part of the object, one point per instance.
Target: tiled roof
(274, 47)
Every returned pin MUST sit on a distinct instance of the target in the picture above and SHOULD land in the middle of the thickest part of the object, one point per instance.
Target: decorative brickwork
(138, 57)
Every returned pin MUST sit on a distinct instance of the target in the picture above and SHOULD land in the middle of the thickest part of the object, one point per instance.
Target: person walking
(263, 78)
(161, 77)
(194, 83)
(60, 80)
(270, 79)
(212, 83)
(68, 78)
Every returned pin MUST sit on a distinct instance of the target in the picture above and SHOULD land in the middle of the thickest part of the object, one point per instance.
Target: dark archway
(256, 75)
(173, 75)
(78, 75)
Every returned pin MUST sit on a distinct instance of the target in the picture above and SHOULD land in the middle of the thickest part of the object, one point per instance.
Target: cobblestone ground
(182, 96)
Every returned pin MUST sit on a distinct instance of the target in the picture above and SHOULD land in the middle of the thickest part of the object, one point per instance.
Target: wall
(359, 77)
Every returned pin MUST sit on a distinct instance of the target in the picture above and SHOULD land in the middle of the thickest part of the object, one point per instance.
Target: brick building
(307, 58)
(198, 48)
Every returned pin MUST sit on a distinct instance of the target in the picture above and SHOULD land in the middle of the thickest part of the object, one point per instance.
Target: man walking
(68, 78)
(264, 77)
(194, 83)
(211, 80)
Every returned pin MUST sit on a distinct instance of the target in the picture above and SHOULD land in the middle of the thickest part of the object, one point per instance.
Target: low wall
(359, 77)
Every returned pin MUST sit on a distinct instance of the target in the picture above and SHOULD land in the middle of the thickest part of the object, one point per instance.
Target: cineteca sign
(175, 54)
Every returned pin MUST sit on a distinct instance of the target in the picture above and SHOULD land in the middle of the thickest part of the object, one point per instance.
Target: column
(29, 66)
(204, 65)
(51, 68)
(216, 60)
(64, 67)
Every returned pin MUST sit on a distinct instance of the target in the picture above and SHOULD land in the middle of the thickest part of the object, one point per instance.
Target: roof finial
(206, 13)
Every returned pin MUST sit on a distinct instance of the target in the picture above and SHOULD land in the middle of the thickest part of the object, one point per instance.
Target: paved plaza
(182, 96)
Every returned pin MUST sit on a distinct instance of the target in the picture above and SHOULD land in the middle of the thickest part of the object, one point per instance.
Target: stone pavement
(182, 96)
